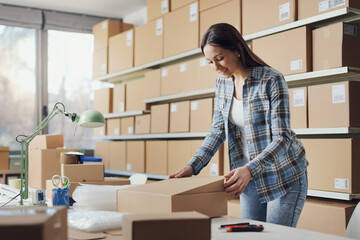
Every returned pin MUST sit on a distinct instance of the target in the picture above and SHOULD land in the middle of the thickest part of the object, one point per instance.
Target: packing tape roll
(15, 183)
(69, 159)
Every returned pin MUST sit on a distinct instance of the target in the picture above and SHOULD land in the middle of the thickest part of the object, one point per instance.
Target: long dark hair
(228, 37)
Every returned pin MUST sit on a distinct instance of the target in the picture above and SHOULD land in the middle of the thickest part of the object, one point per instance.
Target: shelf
(210, 92)
(126, 114)
(128, 174)
(153, 136)
(333, 195)
(322, 131)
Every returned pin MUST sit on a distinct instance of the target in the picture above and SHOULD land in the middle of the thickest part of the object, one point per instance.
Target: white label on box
(324, 5)
(194, 105)
(121, 107)
(193, 12)
(128, 166)
(338, 93)
(103, 68)
(337, 3)
(341, 183)
(299, 97)
(284, 11)
(164, 6)
(104, 25)
(350, 30)
(174, 107)
(164, 72)
(130, 129)
(159, 27)
(296, 65)
(117, 131)
(203, 62)
(129, 37)
(183, 67)
(214, 169)
(102, 132)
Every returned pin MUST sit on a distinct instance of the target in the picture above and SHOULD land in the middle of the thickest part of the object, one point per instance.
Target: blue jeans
(285, 210)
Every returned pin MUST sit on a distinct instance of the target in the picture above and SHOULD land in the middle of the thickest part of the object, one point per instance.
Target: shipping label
(284, 11)
(341, 183)
(324, 5)
(338, 93)
(194, 105)
(299, 97)
(159, 27)
(164, 6)
(296, 65)
(214, 169)
(174, 107)
(129, 38)
(193, 12)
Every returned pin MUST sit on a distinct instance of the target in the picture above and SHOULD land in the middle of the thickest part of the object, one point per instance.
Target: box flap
(165, 216)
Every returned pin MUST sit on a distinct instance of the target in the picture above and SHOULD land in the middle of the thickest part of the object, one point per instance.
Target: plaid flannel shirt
(277, 157)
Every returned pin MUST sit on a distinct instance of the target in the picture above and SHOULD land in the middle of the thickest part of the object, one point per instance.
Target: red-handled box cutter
(243, 227)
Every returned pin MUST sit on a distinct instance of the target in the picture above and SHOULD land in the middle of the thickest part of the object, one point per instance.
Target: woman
(267, 161)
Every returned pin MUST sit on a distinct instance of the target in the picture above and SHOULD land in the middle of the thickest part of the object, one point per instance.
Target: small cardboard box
(201, 114)
(149, 42)
(113, 127)
(152, 83)
(206, 4)
(102, 150)
(170, 80)
(134, 95)
(188, 75)
(156, 157)
(180, 116)
(202, 194)
(336, 45)
(42, 223)
(119, 97)
(176, 226)
(326, 216)
(121, 51)
(142, 124)
(135, 156)
(157, 8)
(160, 115)
(215, 167)
(127, 126)
(334, 105)
(179, 154)
(298, 107)
(100, 62)
(48, 141)
(290, 51)
(4, 157)
(258, 15)
(103, 99)
(187, 18)
(118, 155)
(341, 158)
(93, 172)
(176, 4)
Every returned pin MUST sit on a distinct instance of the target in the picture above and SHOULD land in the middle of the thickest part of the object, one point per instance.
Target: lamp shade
(91, 119)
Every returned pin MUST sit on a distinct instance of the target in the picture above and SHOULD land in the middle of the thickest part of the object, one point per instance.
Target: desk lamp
(88, 119)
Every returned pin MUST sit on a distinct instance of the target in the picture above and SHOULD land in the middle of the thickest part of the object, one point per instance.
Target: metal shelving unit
(326, 131)
(333, 195)
(126, 114)
(154, 136)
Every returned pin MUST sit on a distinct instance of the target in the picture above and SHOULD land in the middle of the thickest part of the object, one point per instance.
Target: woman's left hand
(236, 180)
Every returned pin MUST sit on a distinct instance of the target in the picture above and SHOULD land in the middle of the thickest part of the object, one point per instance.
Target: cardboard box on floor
(152, 84)
(290, 51)
(103, 100)
(113, 127)
(135, 156)
(119, 96)
(206, 4)
(4, 157)
(156, 157)
(340, 157)
(326, 216)
(43, 223)
(93, 172)
(117, 156)
(100, 62)
(334, 105)
(310, 8)
(134, 95)
(336, 45)
(177, 226)
(202, 194)
(180, 116)
(201, 114)
(121, 51)
(102, 150)
(298, 107)
(157, 8)
(44, 164)
(186, 18)
(47, 141)
(159, 120)
(142, 124)
(127, 125)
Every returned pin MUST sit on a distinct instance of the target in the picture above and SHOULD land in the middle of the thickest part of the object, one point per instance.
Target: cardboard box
(157, 8)
(228, 12)
(134, 95)
(42, 223)
(188, 75)
(170, 80)
(180, 116)
(298, 107)
(106, 29)
(326, 216)
(159, 122)
(93, 172)
(206, 4)
(44, 164)
(340, 156)
(117, 155)
(119, 96)
(142, 124)
(336, 45)
(202, 194)
(258, 15)
(100, 62)
(334, 105)
(4, 157)
(179, 154)
(100, 131)
(234, 208)
(290, 51)
(113, 127)
(47, 141)
(201, 114)
(127, 126)
(310, 8)
(121, 51)
(152, 83)
(135, 156)
(103, 99)
(186, 19)
(156, 157)
(207, 75)
(216, 165)
(176, 4)
(180, 225)
(152, 48)
(102, 150)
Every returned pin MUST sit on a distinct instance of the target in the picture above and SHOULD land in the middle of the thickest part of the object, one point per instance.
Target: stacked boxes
(121, 51)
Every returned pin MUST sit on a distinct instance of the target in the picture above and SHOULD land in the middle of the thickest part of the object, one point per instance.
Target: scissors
(60, 182)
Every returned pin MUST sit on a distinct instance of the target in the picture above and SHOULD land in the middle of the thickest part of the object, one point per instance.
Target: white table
(271, 231)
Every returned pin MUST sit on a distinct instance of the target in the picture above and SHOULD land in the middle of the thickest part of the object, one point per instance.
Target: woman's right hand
(187, 171)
